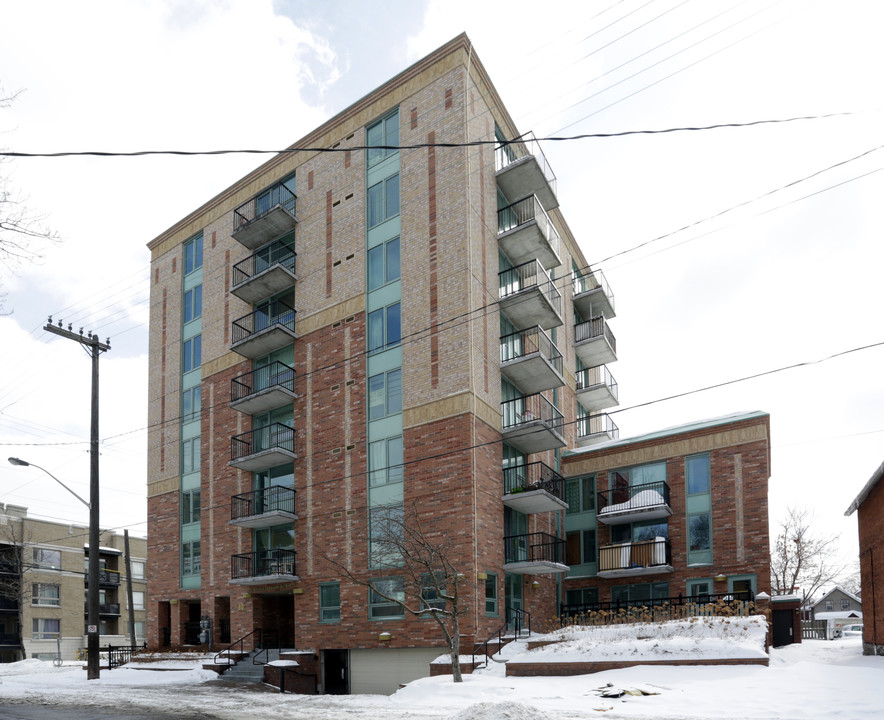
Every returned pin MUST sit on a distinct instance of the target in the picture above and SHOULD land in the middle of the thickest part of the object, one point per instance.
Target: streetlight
(92, 659)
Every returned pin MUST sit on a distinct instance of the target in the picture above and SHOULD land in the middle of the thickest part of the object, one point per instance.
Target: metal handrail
(533, 476)
(277, 195)
(258, 502)
(524, 211)
(274, 313)
(529, 275)
(280, 253)
(529, 408)
(597, 327)
(522, 343)
(591, 280)
(267, 646)
(273, 436)
(262, 563)
(598, 375)
(118, 655)
(533, 547)
(597, 425)
(510, 151)
(240, 642)
(275, 374)
(633, 497)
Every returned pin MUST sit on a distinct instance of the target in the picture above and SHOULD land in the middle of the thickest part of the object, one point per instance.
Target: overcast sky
(786, 270)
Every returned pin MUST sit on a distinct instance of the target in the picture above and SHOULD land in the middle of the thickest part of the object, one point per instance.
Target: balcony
(262, 567)
(522, 170)
(267, 329)
(532, 424)
(592, 295)
(268, 272)
(110, 609)
(534, 554)
(651, 557)
(533, 488)
(106, 578)
(263, 448)
(8, 604)
(594, 342)
(529, 297)
(525, 232)
(270, 506)
(263, 389)
(636, 503)
(596, 429)
(530, 361)
(265, 217)
(596, 388)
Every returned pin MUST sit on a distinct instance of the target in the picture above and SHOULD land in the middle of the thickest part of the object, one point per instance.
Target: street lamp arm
(25, 463)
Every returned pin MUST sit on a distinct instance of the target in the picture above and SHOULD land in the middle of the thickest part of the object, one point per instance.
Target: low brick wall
(585, 668)
(466, 668)
(301, 679)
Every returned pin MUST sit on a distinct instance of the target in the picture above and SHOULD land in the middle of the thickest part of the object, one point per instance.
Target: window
(137, 569)
(640, 592)
(384, 265)
(45, 594)
(383, 132)
(699, 532)
(581, 547)
(384, 597)
(190, 558)
(190, 455)
(385, 458)
(191, 404)
(385, 535)
(139, 628)
(190, 506)
(383, 200)
(46, 628)
(138, 600)
(385, 394)
(193, 254)
(384, 327)
(699, 588)
(47, 559)
(491, 594)
(193, 303)
(431, 589)
(582, 596)
(830, 605)
(580, 494)
(330, 602)
(697, 473)
(193, 353)
(845, 604)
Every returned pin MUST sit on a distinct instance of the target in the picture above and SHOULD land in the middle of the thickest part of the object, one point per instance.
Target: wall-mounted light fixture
(385, 636)
(720, 577)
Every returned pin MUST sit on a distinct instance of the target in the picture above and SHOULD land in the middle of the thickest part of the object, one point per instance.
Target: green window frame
(385, 461)
(190, 455)
(580, 494)
(385, 327)
(190, 506)
(191, 558)
(192, 355)
(193, 303)
(384, 264)
(385, 535)
(697, 476)
(330, 602)
(491, 595)
(379, 606)
(193, 254)
(581, 547)
(383, 132)
(582, 596)
(699, 532)
(191, 403)
(385, 394)
(383, 200)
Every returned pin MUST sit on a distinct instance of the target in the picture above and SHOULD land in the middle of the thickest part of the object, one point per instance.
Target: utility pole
(130, 606)
(95, 348)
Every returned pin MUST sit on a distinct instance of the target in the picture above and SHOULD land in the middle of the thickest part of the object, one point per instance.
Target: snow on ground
(812, 680)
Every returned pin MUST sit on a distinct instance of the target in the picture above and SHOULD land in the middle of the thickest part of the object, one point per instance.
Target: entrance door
(513, 599)
(782, 628)
(336, 672)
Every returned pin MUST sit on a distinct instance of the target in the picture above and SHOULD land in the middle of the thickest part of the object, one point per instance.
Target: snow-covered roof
(838, 614)
(845, 592)
(105, 550)
(864, 493)
(676, 430)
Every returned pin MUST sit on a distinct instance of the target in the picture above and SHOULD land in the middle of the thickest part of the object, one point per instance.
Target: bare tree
(427, 581)
(12, 569)
(803, 556)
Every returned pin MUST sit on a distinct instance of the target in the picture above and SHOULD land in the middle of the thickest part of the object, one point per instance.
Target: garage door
(381, 671)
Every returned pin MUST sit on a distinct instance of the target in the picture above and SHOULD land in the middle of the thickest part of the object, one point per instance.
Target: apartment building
(384, 317)
(674, 514)
(43, 586)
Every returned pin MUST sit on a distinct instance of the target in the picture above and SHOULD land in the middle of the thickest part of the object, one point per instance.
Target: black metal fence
(258, 502)
(656, 609)
(118, 655)
(262, 563)
(533, 476)
(533, 547)
(275, 374)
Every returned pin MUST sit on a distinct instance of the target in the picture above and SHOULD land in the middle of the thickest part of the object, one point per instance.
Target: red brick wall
(870, 518)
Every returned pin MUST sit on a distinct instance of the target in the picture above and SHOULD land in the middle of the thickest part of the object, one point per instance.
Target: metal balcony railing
(275, 374)
(597, 425)
(258, 502)
(633, 556)
(269, 437)
(533, 476)
(592, 280)
(104, 608)
(528, 409)
(277, 253)
(526, 276)
(524, 211)
(633, 497)
(597, 327)
(533, 547)
(263, 203)
(509, 152)
(522, 343)
(105, 577)
(262, 563)
(273, 313)
(592, 377)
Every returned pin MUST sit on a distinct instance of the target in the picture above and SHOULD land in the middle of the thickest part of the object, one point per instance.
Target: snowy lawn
(815, 679)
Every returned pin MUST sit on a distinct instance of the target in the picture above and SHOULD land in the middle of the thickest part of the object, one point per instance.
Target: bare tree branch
(802, 556)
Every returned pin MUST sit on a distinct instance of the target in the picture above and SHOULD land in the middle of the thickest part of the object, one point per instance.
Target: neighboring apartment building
(869, 509)
(348, 330)
(679, 512)
(43, 585)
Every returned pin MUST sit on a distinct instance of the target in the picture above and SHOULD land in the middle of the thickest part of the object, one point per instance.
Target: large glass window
(697, 473)
(45, 594)
(193, 303)
(385, 535)
(384, 327)
(385, 459)
(46, 628)
(383, 200)
(383, 132)
(385, 394)
(193, 353)
(46, 559)
(382, 597)
(190, 455)
(190, 558)
(580, 494)
(330, 602)
(193, 254)
(491, 595)
(582, 596)
(190, 506)
(700, 532)
(191, 401)
(431, 589)
(384, 264)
